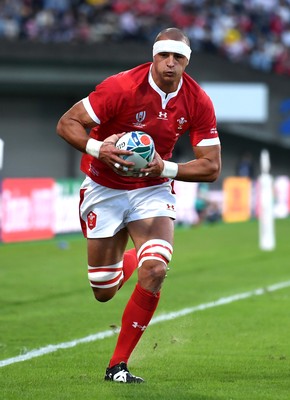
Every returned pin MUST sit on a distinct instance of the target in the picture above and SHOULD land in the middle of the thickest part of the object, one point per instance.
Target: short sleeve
(204, 129)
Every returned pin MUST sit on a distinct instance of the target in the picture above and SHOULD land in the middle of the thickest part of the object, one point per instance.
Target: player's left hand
(154, 168)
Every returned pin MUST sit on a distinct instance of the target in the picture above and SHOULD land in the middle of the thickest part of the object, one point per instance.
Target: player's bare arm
(72, 127)
(204, 168)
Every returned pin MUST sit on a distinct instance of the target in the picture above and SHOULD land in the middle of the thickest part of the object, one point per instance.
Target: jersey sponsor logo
(92, 220)
(181, 121)
(140, 117)
(162, 115)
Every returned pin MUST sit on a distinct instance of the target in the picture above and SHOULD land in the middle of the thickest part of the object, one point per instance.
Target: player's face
(167, 70)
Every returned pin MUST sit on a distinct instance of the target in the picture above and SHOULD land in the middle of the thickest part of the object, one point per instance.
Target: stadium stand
(252, 32)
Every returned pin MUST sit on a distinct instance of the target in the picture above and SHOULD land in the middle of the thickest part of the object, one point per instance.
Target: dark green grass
(236, 351)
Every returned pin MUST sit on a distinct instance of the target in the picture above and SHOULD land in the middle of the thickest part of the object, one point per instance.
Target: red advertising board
(27, 209)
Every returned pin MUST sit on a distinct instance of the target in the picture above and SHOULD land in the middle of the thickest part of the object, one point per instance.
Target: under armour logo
(136, 325)
(162, 115)
(170, 207)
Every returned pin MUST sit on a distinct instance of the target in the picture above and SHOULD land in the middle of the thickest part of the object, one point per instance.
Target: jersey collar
(164, 96)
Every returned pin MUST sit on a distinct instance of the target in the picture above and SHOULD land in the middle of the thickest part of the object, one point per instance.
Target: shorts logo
(92, 220)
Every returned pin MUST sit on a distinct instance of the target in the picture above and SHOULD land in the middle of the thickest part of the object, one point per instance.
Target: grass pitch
(239, 350)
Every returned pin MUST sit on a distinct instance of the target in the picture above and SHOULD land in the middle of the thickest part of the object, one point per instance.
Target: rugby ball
(142, 146)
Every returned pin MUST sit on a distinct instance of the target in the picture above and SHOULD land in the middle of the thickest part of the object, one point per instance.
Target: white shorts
(104, 211)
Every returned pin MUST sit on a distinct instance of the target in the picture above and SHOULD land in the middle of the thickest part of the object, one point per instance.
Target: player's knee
(154, 270)
(153, 258)
(105, 280)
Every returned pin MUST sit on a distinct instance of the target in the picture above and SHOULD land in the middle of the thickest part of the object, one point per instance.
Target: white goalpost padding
(267, 240)
(1, 153)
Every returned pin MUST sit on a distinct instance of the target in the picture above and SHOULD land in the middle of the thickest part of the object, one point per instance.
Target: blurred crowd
(255, 32)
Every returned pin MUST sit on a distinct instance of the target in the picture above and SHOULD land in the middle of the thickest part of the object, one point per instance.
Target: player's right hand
(110, 155)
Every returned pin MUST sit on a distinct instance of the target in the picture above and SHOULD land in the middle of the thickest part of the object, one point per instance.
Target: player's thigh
(142, 230)
(107, 251)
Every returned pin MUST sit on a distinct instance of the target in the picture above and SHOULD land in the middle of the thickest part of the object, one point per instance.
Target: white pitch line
(163, 317)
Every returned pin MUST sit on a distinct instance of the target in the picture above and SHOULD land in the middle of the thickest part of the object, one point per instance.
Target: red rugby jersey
(131, 100)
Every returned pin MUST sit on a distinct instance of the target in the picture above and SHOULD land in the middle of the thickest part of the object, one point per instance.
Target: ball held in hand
(142, 146)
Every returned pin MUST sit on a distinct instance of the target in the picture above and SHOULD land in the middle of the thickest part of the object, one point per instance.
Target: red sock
(130, 263)
(136, 317)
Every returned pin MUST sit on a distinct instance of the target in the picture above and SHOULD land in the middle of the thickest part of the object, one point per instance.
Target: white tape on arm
(170, 169)
(93, 147)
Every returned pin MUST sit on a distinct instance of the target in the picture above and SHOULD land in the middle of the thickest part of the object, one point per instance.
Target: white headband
(171, 46)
